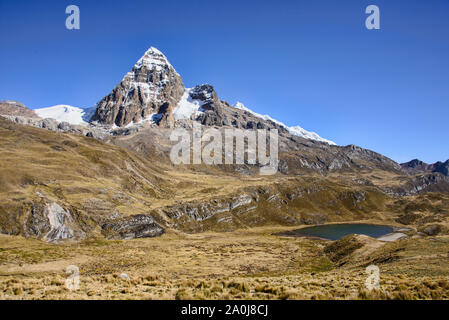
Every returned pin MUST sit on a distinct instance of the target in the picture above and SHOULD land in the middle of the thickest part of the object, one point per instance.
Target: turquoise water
(338, 231)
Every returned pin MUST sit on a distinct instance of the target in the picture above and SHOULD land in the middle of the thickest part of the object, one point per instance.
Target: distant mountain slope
(417, 166)
(14, 108)
(296, 130)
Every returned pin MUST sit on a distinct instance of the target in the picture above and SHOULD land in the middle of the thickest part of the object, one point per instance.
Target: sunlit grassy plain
(244, 264)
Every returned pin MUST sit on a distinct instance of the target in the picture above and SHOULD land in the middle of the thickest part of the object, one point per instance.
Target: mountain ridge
(153, 92)
(137, 98)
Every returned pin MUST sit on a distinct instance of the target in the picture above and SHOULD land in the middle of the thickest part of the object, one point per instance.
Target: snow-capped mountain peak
(153, 59)
(66, 113)
(296, 130)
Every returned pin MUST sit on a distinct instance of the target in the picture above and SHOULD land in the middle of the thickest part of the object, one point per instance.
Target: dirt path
(50, 267)
(392, 237)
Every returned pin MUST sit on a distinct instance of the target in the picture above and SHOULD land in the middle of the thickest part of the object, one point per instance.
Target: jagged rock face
(13, 108)
(355, 152)
(428, 182)
(60, 220)
(149, 91)
(442, 167)
(205, 93)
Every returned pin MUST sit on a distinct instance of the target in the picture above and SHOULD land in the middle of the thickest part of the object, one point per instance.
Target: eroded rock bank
(289, 204)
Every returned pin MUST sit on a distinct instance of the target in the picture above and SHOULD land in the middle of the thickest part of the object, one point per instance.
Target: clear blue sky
(311, 63)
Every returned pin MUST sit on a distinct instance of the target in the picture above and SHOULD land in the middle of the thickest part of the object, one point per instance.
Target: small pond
(338, 231)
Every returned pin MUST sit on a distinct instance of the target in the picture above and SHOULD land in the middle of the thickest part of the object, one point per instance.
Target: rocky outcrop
(203, 210)
(149, 91)
(313, 218)
(52, 223)
(207, 95)
(137, 226)
(60, 221)
(382, 162)
(431, 230)
(431, 182)
(96, 132)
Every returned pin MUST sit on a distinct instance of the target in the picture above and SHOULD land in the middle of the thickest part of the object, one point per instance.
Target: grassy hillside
(98, 181)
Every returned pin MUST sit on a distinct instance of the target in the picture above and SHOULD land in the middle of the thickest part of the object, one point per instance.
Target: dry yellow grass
(244, 264)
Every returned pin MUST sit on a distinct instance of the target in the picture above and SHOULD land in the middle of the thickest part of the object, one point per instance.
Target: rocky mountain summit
(150, 91)
(418, 166)
(154, 92)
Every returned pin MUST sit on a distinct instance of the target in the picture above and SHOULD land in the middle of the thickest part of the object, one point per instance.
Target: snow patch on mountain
(153, 118)
(296, 130)
(66, 113)
(187, 107)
